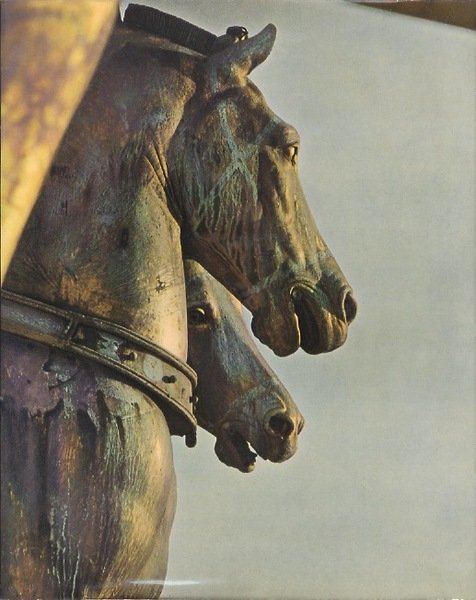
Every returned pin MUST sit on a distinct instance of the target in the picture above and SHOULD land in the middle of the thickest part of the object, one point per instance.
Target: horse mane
(174, 29)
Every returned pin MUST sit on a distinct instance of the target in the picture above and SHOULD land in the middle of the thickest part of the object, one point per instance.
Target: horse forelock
(178, 31)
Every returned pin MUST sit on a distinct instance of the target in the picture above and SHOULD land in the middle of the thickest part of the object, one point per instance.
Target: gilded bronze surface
(49, 52)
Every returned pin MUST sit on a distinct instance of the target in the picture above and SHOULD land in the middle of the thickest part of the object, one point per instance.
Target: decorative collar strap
(166, 379)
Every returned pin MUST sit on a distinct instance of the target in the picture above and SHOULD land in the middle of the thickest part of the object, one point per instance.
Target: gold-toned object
(49, 52)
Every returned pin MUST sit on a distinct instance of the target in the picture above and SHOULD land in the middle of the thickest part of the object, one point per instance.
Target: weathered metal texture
(73, 459)
(167, 149)
(88, 485)
(461, 13)
(49, 52)
(240, 399)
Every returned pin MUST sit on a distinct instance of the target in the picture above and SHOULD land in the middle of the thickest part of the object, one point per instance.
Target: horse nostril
(350, 307)
(281, 425)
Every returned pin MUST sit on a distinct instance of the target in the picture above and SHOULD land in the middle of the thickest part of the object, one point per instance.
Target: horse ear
(237, 60)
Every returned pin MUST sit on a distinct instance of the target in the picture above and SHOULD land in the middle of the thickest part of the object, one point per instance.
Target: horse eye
(291, 152)
(197, 316)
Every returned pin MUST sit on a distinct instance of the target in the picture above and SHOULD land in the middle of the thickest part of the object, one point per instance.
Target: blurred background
(379, 501)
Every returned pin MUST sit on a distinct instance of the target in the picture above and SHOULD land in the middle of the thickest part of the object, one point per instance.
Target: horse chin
(278, 453)
(234, 450)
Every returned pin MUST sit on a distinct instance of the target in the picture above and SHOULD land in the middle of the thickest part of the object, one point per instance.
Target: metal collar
(166, 379)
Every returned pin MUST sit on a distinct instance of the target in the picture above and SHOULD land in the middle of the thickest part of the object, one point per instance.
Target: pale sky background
(379, 501)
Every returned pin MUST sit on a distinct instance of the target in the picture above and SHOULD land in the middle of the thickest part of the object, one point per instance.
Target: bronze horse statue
(240, 399)
(171, 154)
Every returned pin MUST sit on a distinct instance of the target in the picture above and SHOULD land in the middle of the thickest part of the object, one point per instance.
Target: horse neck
(102, 239)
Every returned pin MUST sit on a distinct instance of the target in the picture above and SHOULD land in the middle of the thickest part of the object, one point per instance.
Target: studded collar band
(168, 381)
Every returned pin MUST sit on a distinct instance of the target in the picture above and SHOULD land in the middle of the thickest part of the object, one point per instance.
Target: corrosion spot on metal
(161, 285)
(125, 353)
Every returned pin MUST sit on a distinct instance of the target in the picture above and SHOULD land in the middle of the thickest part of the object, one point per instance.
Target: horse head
(245, 216)
(240, 400)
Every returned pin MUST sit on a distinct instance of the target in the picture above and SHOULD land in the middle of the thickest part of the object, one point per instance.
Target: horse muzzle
(266, 425)
(308, 316)
(323, 322)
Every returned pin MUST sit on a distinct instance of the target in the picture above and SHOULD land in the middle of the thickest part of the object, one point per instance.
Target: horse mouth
(308, 318)
(322, 326)
(234, 450)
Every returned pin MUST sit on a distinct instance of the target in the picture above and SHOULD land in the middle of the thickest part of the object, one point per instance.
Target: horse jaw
(234, 450)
